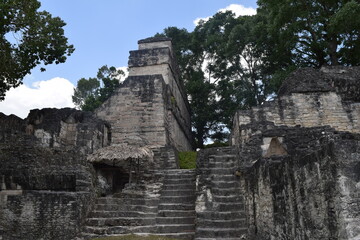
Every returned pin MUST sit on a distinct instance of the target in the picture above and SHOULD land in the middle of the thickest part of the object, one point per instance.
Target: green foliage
(187, 160)
(28, 38)
(173, 100)
(135, 237)
(314, 32)
(92, 92)
(216, 79)
(229, 63)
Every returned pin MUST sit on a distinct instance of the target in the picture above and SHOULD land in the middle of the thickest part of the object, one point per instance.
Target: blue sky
(103, 32)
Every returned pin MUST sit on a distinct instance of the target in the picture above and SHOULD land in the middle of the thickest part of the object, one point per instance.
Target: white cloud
(126, 72)
(54, 93)
(237, 9)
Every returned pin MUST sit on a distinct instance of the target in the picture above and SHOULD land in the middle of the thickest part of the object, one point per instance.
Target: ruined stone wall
(309, 193)
(150, 107)
(347, 150)
(155, 55)
(309, 98)
(299, 158)
(136, 111)
(44, 193)
(43, 215)
(291, 196)
(61, 128)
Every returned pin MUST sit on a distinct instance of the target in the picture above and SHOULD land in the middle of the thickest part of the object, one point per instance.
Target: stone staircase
(220, 206)
(176, 210)
(166, 206)
(132, 211)
(167, 212)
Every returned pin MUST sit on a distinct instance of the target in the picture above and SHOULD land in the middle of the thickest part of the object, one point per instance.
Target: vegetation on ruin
(90, 93)
(187, 160)
(136, 237)
(28, 38)
(229, 63)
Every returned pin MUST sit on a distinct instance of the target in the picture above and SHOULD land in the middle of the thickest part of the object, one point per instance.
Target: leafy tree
(203, 105)
(86, 89)
(28, 38)
(229, 63)
(315, 32)
(201, 93)
(90, 93)
(234, 62)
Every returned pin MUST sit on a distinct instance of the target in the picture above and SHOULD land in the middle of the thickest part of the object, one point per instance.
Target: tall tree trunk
(334, 60)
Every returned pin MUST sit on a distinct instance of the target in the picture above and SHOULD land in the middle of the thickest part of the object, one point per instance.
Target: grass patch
(136, 237)
(187, 160)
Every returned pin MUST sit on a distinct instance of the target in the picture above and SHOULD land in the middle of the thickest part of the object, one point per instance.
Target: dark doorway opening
(116, 177)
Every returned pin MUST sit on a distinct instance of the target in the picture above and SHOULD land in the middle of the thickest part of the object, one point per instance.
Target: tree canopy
(229, 63)
(28, 38)
(90, 93)
(316, 32)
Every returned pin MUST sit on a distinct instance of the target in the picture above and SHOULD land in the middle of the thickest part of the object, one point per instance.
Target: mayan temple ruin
(292, 170)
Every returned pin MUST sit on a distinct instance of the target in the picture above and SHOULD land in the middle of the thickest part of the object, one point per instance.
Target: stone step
(220, 232)
(224, 191)
(178, 199)
(175, 228)
(179, 177)
(221, 171)
(225, 184)
(222, 177)
(113, 214)
(175, 220)
(123, 207)
(106, 230)
(180, 171)
(227, 164)
(226, 207)
(120, 221)
(232, 223)
(182, 235)
(179, 187)
(224, 156)
(111, 230)
(169, 193)
(132, 201)
(179, 181)
(177, 206)
(129, 194)
(86, 235)
(220, 215)
(230, 199)
(176, 213)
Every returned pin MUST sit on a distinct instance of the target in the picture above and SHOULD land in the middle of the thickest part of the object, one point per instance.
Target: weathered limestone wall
(155, 55)
(62, 128)
(137, 111)
(299, 158)
(291, 196)
(309, 98)
(44, 193)
(150, 107)
(309, 193)
(347, 150)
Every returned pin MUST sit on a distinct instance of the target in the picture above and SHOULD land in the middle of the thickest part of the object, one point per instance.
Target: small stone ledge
(154, 39)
